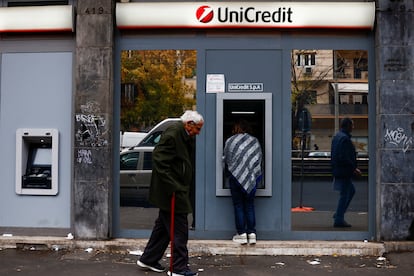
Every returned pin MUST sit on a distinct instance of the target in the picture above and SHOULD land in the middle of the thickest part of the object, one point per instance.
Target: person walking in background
(242, 156)
(344, 167)
(172, 173)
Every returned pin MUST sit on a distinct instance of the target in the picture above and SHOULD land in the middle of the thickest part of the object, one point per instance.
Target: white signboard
(37, 19)
(215, 83)
(245, 86)
(354, 15)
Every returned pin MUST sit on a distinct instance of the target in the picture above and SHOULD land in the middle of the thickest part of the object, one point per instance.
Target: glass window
(129, 161)
(147, 161)
(155, 85)
(335, 87)
(305, 59)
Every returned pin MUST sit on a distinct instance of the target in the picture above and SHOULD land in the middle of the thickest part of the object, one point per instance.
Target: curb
(218, 247)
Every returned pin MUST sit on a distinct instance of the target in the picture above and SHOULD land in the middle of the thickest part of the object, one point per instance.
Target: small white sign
(245, 86)
(215, 83)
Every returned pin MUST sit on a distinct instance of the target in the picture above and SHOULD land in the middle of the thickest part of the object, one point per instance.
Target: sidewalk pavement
(49, 256)
(218, 247)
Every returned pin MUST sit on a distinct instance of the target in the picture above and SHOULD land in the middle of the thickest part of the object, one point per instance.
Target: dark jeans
(346, 192)
(160, 238)
(243, 204)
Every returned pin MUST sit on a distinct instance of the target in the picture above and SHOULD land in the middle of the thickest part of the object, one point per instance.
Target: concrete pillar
(93, 119)
(395, 118)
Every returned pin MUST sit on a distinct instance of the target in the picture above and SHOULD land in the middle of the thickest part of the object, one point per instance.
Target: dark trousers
(346, 192)
(160, 238)
(243, 204)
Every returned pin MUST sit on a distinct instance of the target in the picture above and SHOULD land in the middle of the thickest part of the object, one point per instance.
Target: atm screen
(43, 156)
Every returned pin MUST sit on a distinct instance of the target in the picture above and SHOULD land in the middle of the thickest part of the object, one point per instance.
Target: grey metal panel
(36, 92)
(243, 65)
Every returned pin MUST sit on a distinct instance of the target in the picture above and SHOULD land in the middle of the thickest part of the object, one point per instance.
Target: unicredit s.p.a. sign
(358, 15)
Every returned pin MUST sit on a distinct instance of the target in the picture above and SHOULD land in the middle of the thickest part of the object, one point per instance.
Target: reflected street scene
(157, 86)
(319, 195)
(327, 86)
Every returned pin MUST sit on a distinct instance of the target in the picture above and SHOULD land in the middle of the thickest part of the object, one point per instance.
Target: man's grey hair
(192, 116)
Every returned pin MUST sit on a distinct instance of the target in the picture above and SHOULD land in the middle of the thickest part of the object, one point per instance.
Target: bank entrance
(267, 78)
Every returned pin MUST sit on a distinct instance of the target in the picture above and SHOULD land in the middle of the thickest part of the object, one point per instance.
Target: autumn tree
(159, 78)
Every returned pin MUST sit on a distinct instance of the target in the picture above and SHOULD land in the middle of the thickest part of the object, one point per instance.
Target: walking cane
(172, 232)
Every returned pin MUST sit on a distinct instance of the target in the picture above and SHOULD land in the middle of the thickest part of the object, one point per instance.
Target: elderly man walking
(172, 174)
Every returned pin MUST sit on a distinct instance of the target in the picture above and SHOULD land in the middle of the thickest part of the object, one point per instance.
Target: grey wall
(36, 92)
(395, 118)
(92, 181)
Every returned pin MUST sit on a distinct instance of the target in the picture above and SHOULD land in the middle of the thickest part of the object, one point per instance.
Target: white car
(320, 154)
(154, 135)
(136, 168)
(131, 139)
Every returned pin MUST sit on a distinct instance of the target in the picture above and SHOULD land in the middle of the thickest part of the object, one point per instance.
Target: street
(80, 262)
(318, 193)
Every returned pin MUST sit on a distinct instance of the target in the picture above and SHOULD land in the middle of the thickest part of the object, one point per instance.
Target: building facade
(60, 108)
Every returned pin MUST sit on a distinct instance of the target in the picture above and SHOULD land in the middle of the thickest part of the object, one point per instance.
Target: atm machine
(37, 161)
(255, 108)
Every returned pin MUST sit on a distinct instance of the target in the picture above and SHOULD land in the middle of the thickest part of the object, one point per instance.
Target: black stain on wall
(397, 202)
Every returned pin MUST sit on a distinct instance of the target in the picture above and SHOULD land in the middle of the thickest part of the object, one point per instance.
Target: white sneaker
(242, 238)
(252, 238)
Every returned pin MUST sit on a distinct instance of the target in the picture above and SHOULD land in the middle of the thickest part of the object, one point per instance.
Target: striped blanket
(243, 155)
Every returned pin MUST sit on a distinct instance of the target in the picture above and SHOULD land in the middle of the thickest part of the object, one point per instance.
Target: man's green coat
(172, 170)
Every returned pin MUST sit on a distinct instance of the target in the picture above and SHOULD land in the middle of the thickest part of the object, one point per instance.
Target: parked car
(320, 154)
(136, 168)
(136, 162)
(131, 139)
(154, 135)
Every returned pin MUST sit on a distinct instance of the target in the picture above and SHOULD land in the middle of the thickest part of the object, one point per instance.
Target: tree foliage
(159, 77)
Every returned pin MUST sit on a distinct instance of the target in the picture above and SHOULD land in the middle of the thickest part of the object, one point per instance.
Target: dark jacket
(172, 170)
(343, 155)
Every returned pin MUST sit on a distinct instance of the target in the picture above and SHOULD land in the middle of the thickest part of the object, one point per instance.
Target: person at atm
(242, 156)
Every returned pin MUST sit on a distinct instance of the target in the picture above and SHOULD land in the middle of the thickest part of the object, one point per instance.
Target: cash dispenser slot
(36, 161)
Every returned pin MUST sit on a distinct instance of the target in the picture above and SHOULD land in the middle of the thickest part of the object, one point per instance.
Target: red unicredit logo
(204, 14)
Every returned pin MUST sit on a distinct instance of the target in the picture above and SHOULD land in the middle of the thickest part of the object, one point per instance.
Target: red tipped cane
(172, 232)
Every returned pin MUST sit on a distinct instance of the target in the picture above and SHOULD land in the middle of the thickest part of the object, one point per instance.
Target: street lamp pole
(336, 95)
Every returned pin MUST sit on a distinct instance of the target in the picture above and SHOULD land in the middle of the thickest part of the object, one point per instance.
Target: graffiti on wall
(399, 138)
(84, 156)
(91, 130)
(90, 107)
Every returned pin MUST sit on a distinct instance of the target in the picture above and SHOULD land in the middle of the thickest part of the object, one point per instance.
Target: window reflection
(328, 85)
(155, 85)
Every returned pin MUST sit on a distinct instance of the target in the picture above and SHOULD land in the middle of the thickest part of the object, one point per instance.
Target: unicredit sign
(249, 15)
(357, 15)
